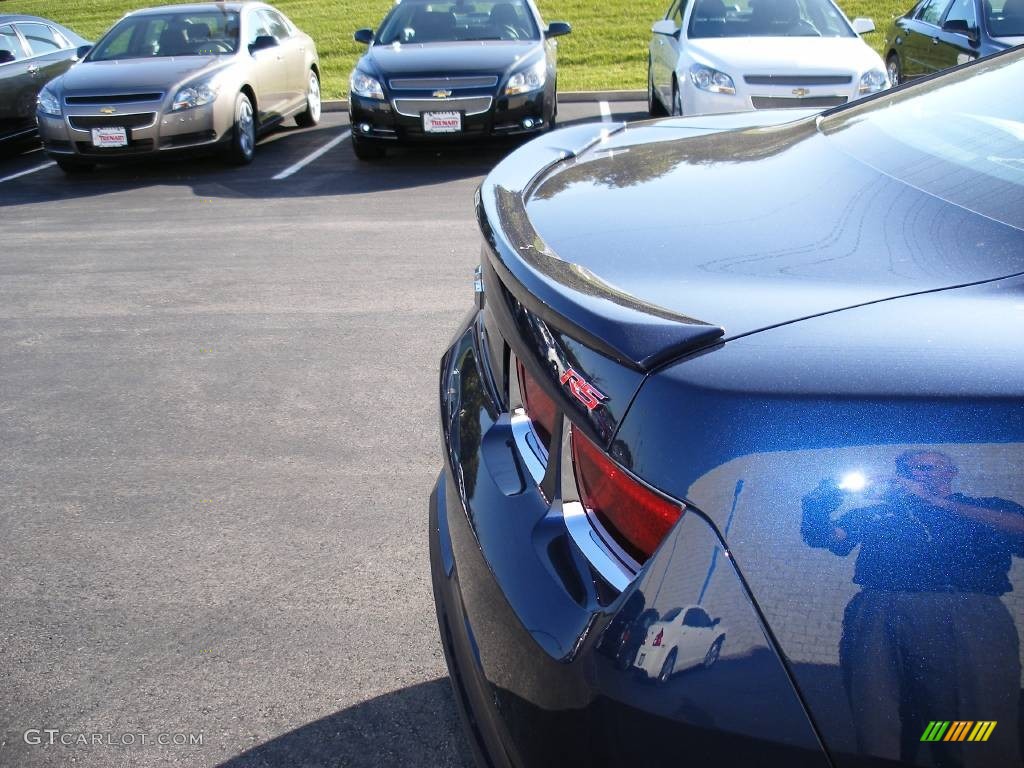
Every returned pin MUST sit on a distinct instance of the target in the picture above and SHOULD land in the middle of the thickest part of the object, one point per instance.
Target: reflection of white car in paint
(684, 637)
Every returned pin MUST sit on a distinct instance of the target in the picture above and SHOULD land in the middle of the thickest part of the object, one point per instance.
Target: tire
(677, 100)
(668, 667)
(553, 119)
(311, 115)
(893, 69)
(366, 151)
(243, 134)
(654, 107)
(72, 167)
(712, 655)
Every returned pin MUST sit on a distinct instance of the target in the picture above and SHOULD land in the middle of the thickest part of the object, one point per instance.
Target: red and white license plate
(442, 122)
(109, 137)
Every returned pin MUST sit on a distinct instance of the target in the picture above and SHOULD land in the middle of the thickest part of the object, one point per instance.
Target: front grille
(134, 148)
(425, 83)
(798, 79)
(86, 122)
(473, 105)
(777, 102)
(120, 98)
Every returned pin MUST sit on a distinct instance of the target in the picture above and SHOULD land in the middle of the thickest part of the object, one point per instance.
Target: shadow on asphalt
(336, 173)
(415, 727)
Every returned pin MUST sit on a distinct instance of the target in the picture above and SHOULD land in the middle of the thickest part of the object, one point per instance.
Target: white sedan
(707, 56)
(682, 638)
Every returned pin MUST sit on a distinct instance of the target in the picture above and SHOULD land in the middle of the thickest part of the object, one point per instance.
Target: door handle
(33, 70)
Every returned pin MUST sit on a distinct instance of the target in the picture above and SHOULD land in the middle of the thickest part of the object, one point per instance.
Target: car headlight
(366, 86)
(873, 81)
(529, 79)
(708, 79)
(192, 96)
(48, 102)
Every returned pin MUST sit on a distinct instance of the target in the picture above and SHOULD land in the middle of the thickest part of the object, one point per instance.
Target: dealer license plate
(109, 137)
(442, 122)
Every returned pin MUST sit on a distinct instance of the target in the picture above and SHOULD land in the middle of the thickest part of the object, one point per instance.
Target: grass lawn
(607, 49)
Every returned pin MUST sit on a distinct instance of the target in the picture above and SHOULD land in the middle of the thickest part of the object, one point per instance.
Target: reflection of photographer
(927, 637)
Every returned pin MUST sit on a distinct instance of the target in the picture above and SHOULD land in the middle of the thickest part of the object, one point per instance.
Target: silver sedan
(182, 77)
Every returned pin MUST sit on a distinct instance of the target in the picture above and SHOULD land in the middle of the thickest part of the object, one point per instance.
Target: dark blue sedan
(936, 34)
(732, 440)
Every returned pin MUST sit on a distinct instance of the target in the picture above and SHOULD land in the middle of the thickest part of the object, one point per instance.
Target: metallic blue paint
(839, 405)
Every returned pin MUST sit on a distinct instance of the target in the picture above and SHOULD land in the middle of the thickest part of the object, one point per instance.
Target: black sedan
(33, 51)
(764, 368)
(439, 71)
(936, 34)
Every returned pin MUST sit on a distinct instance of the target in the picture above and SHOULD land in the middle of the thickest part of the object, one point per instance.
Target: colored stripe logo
(959, 730)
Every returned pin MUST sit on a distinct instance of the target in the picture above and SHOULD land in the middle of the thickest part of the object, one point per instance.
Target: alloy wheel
(246, 127)
(313, 97)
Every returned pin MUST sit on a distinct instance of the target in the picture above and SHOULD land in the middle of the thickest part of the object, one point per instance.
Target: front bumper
(483, 115)
(151, 129)
(748, 98)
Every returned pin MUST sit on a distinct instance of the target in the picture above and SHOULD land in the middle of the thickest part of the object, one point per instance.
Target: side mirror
(716, 622)
(6, 56)
(82, 52)
(862, 26)
(364, 36)
(959, 26)
(263, 42)
(557, 29)
(665, 27)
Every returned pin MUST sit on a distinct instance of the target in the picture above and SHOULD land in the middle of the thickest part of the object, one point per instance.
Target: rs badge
(582, 390)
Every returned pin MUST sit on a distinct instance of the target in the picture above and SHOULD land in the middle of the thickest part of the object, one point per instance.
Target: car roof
(234, 5)
(9, 17)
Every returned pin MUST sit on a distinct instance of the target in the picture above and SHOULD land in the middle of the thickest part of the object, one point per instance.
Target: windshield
(768, 18)
(208, 33)
(957, 137)
(1005, 18)
(417, 21)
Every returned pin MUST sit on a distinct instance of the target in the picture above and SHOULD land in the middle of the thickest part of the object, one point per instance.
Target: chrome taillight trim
(614, 565)
(528, 443)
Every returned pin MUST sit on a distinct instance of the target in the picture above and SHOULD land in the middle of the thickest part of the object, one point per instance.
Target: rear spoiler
(565, 295)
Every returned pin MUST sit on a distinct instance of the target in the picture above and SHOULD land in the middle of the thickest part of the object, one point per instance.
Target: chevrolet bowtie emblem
(801, 92)
(108, 110)
(442, 94)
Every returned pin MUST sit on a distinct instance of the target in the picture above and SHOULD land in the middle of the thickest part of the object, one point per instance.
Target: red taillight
(637, 518)
(657, 638)
(539, 407)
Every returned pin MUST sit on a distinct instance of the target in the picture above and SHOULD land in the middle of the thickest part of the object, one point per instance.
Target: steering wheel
(215, 46)
(508, 32)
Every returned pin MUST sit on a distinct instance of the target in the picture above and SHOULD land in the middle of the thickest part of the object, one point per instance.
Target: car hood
(488, 56)
(134, 74)
(745, 229)
(739, 56)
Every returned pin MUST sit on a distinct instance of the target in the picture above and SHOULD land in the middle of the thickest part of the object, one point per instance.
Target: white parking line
(26, 173)
(312, 156)
(606, 111)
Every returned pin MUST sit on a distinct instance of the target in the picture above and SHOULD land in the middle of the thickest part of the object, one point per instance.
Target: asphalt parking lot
(217, 406)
